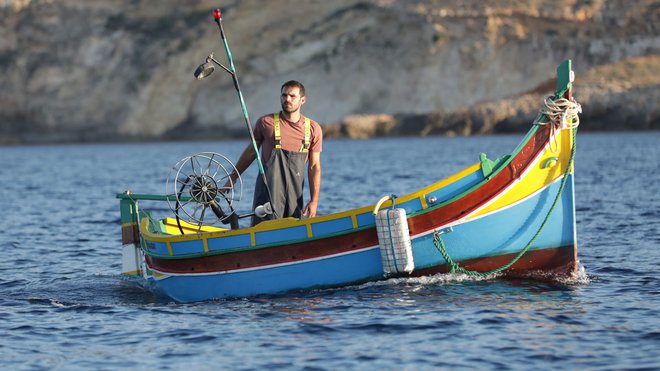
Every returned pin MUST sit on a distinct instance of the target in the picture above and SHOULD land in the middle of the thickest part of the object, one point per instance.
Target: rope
(561, 113)
(454, 267)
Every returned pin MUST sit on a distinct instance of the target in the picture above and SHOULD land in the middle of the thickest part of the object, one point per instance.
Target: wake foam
(580, 278)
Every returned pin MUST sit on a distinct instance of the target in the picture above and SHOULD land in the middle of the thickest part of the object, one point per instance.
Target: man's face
(291, 99)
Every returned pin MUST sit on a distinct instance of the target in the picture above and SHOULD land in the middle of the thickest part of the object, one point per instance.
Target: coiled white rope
(561, 114)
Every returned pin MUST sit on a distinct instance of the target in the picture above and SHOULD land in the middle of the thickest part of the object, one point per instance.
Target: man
(288, 141)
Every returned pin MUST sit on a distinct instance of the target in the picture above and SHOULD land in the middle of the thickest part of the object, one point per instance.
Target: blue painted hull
(502, 233)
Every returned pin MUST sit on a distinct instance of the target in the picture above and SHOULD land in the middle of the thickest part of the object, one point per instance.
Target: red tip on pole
(217, 15)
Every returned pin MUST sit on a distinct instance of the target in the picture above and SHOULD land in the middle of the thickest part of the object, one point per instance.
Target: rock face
(90, 70)
(620, 96)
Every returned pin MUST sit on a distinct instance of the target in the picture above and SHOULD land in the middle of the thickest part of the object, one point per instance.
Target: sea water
(64, 305)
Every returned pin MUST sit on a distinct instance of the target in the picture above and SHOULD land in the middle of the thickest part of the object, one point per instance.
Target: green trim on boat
(564, 82)
(127, 211)
(488, 166)
(140, 196)
(550, 162)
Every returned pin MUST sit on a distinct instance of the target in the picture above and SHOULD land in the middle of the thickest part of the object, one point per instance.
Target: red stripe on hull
(268, 256)
(130, 234)
(561, 261)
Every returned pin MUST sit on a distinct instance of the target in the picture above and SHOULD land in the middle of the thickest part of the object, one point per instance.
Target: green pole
(217, 15)
(218, 19)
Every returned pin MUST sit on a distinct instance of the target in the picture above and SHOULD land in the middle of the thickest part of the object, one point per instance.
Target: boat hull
(480, 244)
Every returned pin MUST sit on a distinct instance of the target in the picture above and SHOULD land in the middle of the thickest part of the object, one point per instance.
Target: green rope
(454, 267)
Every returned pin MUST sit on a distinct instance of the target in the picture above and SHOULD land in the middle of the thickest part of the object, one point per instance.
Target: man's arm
(314, 175)
(246, 159)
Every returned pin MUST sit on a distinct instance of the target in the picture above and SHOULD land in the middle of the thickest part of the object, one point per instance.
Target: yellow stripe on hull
(549, 166)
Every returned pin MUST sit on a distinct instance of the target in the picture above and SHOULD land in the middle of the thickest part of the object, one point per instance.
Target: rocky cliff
(619, 96)
(89, 70)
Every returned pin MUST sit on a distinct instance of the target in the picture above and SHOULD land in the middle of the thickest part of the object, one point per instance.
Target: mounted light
(208, 67)
(204, 70)
(217, 15)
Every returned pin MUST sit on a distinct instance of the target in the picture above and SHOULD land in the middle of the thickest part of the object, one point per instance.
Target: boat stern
(132, 257)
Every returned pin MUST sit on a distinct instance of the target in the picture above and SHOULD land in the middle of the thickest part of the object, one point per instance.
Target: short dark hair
(294, 84)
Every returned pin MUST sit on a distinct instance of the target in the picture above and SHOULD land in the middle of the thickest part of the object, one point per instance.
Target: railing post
(129, 220)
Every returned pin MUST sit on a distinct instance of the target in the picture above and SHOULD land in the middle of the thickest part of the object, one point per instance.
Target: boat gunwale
(291, 222)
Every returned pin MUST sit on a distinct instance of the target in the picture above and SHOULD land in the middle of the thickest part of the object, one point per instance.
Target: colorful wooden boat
(513, 216)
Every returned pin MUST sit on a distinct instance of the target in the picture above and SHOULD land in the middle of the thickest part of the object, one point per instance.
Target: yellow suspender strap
(308, 134)
(278, 134)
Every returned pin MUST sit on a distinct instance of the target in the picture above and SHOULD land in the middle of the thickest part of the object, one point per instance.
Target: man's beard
(286, 109)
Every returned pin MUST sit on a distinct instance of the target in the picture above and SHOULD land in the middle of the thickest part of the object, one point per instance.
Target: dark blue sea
(64, 304)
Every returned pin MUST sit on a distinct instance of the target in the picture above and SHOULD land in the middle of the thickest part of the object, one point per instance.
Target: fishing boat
(507, 217)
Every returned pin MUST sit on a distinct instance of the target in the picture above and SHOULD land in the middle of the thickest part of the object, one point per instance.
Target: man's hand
(310, 209)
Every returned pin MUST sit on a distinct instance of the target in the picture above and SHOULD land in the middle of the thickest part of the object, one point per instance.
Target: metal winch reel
(200, 190)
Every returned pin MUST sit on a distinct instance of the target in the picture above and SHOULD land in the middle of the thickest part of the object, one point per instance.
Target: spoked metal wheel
(201, 191)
